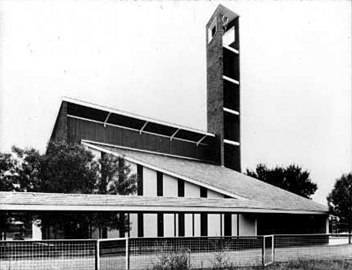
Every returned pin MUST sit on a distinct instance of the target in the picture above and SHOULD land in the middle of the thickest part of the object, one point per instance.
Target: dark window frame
(140, 222)
(140, 180)
(160, 221)
(159, 184)
(203, 192)
(181, 224)
(181, 188)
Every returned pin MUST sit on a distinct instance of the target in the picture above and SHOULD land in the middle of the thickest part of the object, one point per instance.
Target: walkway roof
(61, 202)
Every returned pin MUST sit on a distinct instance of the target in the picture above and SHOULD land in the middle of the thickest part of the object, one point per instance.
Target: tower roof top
(222, 10)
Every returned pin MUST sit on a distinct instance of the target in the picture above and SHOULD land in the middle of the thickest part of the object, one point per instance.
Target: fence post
(97, 256)
(263, 252)
(273, 248)
(127, 254)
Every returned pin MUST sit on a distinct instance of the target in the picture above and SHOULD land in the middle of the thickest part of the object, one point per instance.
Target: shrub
(172, 260)
(222, 261)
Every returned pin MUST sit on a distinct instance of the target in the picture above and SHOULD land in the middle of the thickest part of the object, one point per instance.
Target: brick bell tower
(223, 85)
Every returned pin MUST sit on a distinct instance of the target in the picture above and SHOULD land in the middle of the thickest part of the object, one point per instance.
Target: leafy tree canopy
(68, 168)
(340, 199)
(292, 178)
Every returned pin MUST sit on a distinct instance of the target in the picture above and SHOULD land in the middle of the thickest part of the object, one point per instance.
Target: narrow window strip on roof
(107, 118)
(132, 115)
(143, 127)
(128, 128)
(173, 135)
(201, 139)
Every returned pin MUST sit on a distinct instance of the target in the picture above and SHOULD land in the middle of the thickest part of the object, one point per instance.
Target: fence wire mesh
(47, 255)
(159, 253)
(196, 252)
(112, 254)
(312, 247)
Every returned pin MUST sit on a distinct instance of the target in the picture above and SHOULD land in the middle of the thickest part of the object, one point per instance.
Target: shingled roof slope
(238, 184)
(32, 201)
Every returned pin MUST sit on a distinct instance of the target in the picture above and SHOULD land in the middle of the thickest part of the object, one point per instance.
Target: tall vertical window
(181, 188)
(160, 224)
(181, 224)
(203, 216)
(203, 224)
(228, 224)
(140, 222)
(159, 184)
(203, 192)
(140, 180)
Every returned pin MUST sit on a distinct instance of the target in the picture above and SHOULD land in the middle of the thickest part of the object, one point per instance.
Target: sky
(149, 58)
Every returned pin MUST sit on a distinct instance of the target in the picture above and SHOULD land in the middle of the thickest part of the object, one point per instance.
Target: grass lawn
(307, 265)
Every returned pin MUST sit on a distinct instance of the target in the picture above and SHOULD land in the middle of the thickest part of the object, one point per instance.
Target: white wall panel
(133, 167)
(169, 225)
(170, 186)
(214, 195)
(150, 225)
(196, 224)
(191, 190)
(134, 225)
(214, 225)
(188, 225)
(234, 225)
(149, 182)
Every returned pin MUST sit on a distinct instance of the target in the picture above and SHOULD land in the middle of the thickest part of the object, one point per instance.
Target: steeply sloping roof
(219, 178)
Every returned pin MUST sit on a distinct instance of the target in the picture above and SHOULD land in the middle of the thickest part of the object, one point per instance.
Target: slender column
(238, 225)
(221, 224)
(193, 224)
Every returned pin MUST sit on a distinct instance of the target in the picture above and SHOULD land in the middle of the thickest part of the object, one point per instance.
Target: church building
(190, 181)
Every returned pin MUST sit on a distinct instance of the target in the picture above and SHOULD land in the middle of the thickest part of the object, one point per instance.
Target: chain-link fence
(47, 255)
(112, 254)
(159, 253)
(312, 247)
(197, 252)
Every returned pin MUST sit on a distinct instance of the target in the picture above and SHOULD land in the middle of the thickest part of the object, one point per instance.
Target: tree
(69, 168)
(114, 178)
(340, 200)
(7, 170)
(292, 178)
